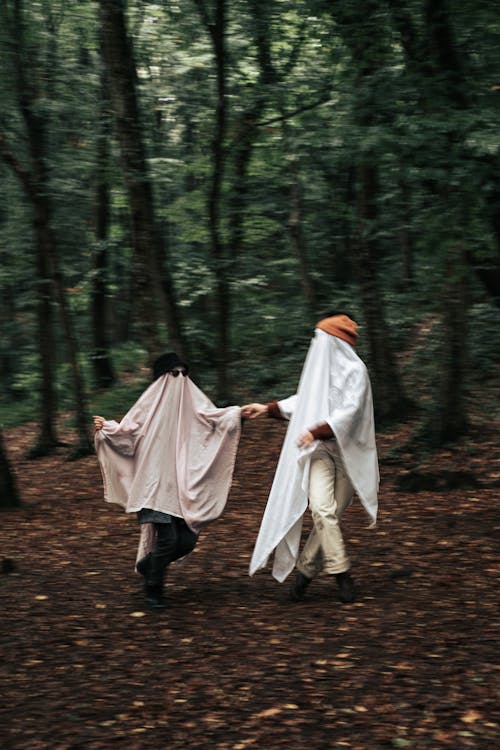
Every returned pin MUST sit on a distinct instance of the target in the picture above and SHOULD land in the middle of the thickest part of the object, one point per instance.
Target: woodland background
(213, 177)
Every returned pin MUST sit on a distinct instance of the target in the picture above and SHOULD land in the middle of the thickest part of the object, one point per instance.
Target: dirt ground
(232, 663)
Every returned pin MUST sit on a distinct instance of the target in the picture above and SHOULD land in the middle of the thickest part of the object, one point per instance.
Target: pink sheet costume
(171, 461)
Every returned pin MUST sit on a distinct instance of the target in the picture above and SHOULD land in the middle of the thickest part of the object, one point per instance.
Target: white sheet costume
(173, 452)
(334, 388)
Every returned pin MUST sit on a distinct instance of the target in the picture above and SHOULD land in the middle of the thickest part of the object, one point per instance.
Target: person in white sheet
(170, 460)
(329, 453)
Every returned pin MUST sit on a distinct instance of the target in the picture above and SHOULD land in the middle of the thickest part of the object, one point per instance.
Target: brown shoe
(345, 587)
(298, 587)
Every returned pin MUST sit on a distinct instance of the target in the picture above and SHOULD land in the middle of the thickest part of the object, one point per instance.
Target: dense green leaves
(350, 128)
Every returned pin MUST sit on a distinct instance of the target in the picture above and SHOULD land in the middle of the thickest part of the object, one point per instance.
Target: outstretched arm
(281, 410)
(120, 436)
(251, 411)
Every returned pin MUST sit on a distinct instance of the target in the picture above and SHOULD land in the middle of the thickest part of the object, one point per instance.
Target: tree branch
(289, 115)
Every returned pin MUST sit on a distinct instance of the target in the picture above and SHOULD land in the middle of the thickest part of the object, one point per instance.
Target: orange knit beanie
(340, 326)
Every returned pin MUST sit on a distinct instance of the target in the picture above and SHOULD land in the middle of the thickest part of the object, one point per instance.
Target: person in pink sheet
(170, 460)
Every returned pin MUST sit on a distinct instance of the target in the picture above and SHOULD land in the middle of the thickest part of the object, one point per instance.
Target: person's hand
(251, 411)
(305, 440)
(98, 423)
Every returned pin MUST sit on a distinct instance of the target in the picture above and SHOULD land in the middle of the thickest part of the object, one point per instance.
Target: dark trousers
(173, 540)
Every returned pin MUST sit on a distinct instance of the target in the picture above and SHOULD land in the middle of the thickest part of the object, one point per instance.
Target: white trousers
(330, 493)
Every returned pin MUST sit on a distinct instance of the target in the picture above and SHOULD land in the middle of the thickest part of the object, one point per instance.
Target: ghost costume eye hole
(169, 364)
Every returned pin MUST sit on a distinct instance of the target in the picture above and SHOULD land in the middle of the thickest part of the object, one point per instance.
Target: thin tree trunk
(84, 446)
(154, 286)
(389, 399)
(297, 236)
(9, 495)
(434, 60)
(242, 150)
(494, 208)
(48, 257)
(44, 287)
(449, 87)
(37, 189)
(368, 48)
(8, 326)
(121, 315)
(451, 420)
(220, 262)
(47, 440)
(405, 236)
(268, 77)
(30, 180)
(487, 269)
(103, 369)
(246, 129)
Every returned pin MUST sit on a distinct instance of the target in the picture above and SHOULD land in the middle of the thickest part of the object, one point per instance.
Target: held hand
(251, 411)
(98, 423)
(305, 440)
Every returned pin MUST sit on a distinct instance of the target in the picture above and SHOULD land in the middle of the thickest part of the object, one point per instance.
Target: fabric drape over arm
(174, 451)
(334, 388)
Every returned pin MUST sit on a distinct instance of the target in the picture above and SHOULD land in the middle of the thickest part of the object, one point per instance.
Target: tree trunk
(48, 258)
(154, 287)
(9, 495)
(268, 77)
(389, 398)
(44, 288)
(487, 269)
(47, 440)
(360, 28)
(37, 189)
(447, 88)
(493, 273)
(9, 327)
(32, 182)
(297, 236)
(214, 209)
(405, 236)
(121, 315)
(436, 63)
(450, 416)
(84, 446)
(220, 261)
(103, 369)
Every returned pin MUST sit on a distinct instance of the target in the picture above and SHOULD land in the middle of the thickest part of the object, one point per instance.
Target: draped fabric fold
(174, 451)
(335, 388)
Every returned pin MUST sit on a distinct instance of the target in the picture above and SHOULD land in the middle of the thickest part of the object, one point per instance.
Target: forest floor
(232, 663)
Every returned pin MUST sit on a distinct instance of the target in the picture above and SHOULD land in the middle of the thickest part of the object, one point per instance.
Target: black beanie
(166, 363)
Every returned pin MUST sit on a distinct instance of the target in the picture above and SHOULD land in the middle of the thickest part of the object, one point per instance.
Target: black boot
(298, 587)
(345, 586)
(154, 565)
(154, 597)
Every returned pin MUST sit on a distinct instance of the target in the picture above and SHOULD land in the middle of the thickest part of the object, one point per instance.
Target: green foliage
(318, 116)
